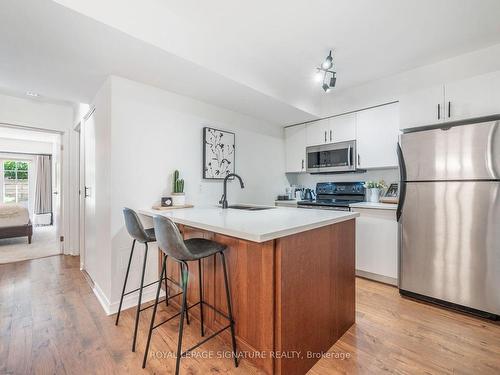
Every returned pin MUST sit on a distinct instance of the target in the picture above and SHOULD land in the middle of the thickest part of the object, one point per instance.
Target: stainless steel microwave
(333, 157)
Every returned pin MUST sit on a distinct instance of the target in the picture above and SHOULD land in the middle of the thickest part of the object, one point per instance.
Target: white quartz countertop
(256, 226)
(379, 206)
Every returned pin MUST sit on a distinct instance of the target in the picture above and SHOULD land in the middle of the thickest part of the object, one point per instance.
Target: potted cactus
(178, 196)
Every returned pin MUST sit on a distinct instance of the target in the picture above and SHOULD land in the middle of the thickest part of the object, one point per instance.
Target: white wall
(56, 117)
(97, 261)
(390, 88)
(154, 132)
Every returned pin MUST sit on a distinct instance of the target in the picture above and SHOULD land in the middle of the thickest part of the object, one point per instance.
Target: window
(15, 181)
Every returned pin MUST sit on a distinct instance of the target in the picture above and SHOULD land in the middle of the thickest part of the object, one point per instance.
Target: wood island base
(293, 297)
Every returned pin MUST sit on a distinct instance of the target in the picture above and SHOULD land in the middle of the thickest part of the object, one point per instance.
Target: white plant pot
(373, 195)
(178, 199)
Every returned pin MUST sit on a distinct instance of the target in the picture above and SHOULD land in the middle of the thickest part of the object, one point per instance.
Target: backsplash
(389, 175)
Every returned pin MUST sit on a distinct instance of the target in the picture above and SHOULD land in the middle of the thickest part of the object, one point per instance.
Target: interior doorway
(30, 194)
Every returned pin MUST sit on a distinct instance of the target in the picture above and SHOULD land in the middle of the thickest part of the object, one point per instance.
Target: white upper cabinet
(423, 107)
(335, 129)
(317, 132)
(377, 132)
(460, 100)
(342, 128)
(295, 142)
(473, 97)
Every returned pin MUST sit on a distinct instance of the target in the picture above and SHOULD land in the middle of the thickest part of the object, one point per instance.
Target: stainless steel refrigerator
(449, 215)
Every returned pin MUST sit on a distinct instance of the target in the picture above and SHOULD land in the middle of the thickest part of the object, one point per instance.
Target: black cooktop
(328, 202)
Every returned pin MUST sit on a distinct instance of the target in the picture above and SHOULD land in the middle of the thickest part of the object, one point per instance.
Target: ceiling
(255, 57)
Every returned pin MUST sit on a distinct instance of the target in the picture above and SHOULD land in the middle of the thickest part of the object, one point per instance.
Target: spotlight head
(333, 81)
(326, 87)
(328, 63)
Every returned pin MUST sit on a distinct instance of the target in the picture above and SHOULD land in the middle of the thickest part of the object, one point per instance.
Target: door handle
(402, 182)
(449, 109)
(331, 132)
(439, 111)
(87, 192)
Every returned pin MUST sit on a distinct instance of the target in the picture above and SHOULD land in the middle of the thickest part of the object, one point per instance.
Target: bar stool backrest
(134, 225)
(169, 239)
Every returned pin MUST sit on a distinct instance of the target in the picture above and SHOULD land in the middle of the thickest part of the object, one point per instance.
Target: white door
(423, 107)
(317, 132)
(473, 97)
(377, 136)
(342, 128)
(295, 148)
(57, 188)
(88, 195)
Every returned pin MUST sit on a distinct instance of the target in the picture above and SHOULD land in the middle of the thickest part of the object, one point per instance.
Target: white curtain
(43, 187)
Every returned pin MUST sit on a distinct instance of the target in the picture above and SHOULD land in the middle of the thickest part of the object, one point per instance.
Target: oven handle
(349, 156)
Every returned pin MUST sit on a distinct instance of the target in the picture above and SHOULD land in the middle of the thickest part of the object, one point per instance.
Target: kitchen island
(291, 273)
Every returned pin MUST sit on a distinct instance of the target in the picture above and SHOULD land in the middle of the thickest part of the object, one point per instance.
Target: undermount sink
(249, 208)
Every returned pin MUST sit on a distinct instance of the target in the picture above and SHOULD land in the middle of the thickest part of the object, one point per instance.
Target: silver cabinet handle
(87, 192)
(349, 156)
(331, 135)
(449, 109)
(359, 160)
(325, 136)
(302, 164)
(439, 111)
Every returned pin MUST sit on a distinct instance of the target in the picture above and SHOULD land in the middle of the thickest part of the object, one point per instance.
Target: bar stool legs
(125, 283)
(186, 308)
(138, 312)
(229, 309)
(184, 281)
(184, 278)
(200, 286)
(151, 325)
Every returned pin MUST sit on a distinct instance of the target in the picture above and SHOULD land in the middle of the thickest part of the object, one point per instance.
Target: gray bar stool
(139, 234)
(171, 243)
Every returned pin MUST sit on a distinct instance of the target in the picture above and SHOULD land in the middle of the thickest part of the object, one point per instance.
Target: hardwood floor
(51, 323)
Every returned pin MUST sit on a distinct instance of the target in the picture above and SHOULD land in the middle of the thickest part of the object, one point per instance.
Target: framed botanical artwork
(218, 153)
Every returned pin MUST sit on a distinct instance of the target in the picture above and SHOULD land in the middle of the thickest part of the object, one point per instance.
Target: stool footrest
(154, 282)
(162, 300)
(206, 339)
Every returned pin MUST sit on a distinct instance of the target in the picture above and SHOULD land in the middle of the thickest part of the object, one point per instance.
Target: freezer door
(450, 242)
(467, 152)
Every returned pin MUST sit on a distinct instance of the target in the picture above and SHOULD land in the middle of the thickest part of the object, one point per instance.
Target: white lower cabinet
(377, 245)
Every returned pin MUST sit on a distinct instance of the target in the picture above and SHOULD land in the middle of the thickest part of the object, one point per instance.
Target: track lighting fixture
(328, 63)
(323, 72)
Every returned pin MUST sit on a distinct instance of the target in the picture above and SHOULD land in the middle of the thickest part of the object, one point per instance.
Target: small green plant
(375, 185)
(178, 183)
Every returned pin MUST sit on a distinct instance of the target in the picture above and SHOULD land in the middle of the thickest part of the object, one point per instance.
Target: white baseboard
(148, 294)
(377, 277)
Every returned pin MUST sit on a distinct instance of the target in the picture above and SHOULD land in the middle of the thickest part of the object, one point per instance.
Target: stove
(335, 196)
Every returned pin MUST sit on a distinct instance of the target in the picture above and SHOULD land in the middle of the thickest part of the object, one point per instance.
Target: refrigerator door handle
(402, 182)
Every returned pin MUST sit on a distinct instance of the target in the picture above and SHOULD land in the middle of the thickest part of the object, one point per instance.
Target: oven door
(333, 157)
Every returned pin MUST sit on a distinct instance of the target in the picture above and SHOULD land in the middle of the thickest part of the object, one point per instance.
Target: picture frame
(218, 153)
